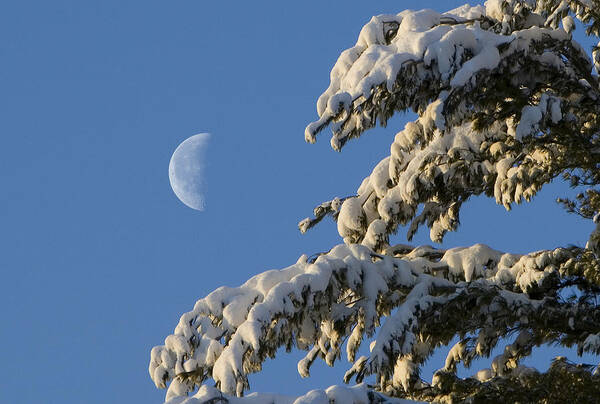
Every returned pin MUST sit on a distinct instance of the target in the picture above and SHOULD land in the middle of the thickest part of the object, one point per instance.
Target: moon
(187, 171)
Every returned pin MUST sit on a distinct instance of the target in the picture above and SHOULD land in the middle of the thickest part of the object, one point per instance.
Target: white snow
(332, 395)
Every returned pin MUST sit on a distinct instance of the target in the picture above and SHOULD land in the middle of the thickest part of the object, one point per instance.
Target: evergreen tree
(507, 101)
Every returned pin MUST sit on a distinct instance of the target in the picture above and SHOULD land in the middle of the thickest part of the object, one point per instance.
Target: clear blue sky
(98, 257)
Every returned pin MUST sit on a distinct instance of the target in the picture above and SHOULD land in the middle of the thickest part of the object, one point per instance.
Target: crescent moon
(187, 171)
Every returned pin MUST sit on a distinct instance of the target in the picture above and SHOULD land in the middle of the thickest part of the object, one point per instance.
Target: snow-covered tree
(507, 101)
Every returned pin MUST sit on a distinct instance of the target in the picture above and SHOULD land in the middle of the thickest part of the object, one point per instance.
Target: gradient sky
(98, 257)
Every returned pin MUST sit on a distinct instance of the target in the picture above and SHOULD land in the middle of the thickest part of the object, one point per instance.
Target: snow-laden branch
(342, 296)
(428, 63)
(334, 394)
(501, 113)
(454, 166)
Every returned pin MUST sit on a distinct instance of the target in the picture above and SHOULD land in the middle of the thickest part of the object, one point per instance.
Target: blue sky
(99, 258)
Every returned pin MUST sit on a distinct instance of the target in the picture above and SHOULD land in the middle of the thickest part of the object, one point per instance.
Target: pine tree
(507, 101)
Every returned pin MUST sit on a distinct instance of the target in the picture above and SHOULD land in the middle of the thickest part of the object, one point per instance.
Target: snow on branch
(429, 61)
(417, 185)
(334, 394)
(340, 298)
(501, 111)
